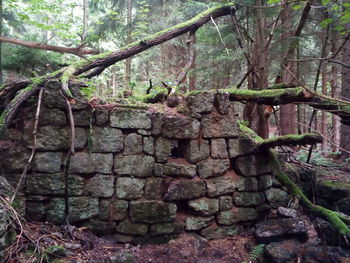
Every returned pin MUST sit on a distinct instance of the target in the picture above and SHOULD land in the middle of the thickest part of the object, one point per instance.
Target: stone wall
(142, 174)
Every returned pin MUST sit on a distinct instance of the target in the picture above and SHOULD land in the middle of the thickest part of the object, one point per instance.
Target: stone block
(100, 186)
(184, 190)
(133, 144)
(113, 209)
(247, 184)
(218, 149)
(152, 211)
(179, 127)
(219, 126)
(197, 223)
(52, 117)
(14, 159)
(49, 162)
(165, 229)
(195, 150)
(240, 146)
(82, 118)
(264, 182)
(106, 140)
(217, 232)
(222, 102)
(99, 227)
(51, 138)
(205, 206)
(127, 227)
(213, 167)
(248, 198)
(237, 214)
(225, 203)
(129, 188)
(148, 145)
(158, 169)
(157, 123)
(86, 163)
(130, 119)
(135, 165)
(101, 117)
(221, 186)
(253, 165)
(45, 184)
(154, 188)
(277, 197)
(179, 168)
(201, 102)
(80, 138)
(163, 149)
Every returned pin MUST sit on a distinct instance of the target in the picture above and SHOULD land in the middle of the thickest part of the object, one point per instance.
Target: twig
(217, 29)
(339, 62)
(267, 6)
(35, 129)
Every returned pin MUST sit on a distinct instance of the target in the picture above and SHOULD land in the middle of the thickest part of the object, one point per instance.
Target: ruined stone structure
(142, 173)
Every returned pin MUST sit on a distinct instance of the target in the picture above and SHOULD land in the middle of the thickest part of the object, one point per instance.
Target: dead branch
(290, 140)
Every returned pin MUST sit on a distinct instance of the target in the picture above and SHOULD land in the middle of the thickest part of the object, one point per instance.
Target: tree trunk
(193, 77)
(324, 123)
(0, 43)
(85, 21)
(128, 41)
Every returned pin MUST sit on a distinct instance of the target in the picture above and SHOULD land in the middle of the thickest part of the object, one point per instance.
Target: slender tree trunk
(193, 77)
(1, 43)
(128, 41)
(85, 21)
(324, 123)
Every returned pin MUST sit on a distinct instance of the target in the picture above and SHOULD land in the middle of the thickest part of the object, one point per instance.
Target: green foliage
(256, 253)
(318, 158)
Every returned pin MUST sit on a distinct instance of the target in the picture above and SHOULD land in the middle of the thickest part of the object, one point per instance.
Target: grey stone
(240, 146)
(287, 212)
(221, 186)
(285, 251)
(82, 118)
(133, 144)
(157, 123)
(45, 184)
(144, 132)
(52, 117)
(247, 184)
(135, 165)
(343, 205)
(101, 117)
(148, 145)
(225, 203)
(277, 197)
(213, 167)
(201, 102)
(205, 206)
(219, 126)
(130, 119)
(99, 227)
(178, 127)
(165, 228)
(216, 232)
(122, 257)
(35, 211)
(163, 148)
(113, 209)
(222, 102)
(218, 149)
(237, 214)
(248, 198)
(197, 223)
(76, 185)
(179, 169)
(333, 190)
(196, 150)
(129, 188)
(152, 211)
(106, 140)
(85, 163)
(158, 169)
(80, 138)
(100, 186)
(49, 162)
(264, 182)
(127, 227)
(184, 189)
(253, 165)
(51, 138)
(14, 159)
(154, 188)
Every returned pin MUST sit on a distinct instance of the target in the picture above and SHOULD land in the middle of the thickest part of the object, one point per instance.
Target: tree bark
(324, 122)
(128, 42)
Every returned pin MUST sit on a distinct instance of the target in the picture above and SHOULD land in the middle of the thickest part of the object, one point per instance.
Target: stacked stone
(142, 174)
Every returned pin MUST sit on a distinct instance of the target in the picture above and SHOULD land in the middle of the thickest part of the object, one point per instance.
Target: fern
(256, 253)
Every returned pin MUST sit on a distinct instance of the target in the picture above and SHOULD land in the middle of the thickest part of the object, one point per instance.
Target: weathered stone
(240, 146)
(85, 163)
(99, 227)
(247, 184)
(287, 212)
(100, 186)
(333, 190)
(154, 188)
(75, 185)
(225, 203)
(219, 126)
(82, 118)
(315, 254)
(163, 148)
(13, 180)
(222, 102)
(178, 127)
(35, 211)
(213, 167)
(237, 214)
(101, 117)
(165, 228)
(50, 138)
(172, 100)
(264, 182)
(248, 198)
(129, 188)
(195, 150)
(282, 252)
(277, 197)
(133, 144)
(80, 138)
(343, 205)
(45, 184)
(13, 135)
(197, 223)
(14, 159)
(148, 145)
(253, 165)
(144, 132)
(52, 117)
(221, 186)
(218, 149)
(201, 102)
(274, 230)
(113, 209)
(106, 140)
(152, 211)
(205, 206)
(157, 123)
(135, 165)
(127, 227)
(122, 257)
(184, 189)
(233, 148)
(179, 168)
(130, 119)
(216, 232)
(80, 208)
(158, 169)
(49, 162)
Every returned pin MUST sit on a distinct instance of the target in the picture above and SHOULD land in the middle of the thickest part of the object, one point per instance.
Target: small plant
(256, 253)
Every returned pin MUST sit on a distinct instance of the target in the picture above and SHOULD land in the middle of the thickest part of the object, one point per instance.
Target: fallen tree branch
(290, 140)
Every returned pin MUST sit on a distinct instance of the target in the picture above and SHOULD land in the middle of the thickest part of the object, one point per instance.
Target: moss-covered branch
(337, 221)
(290, 140)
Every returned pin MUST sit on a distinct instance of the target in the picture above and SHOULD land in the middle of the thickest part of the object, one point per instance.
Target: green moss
(338, 185)
(274, 93)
